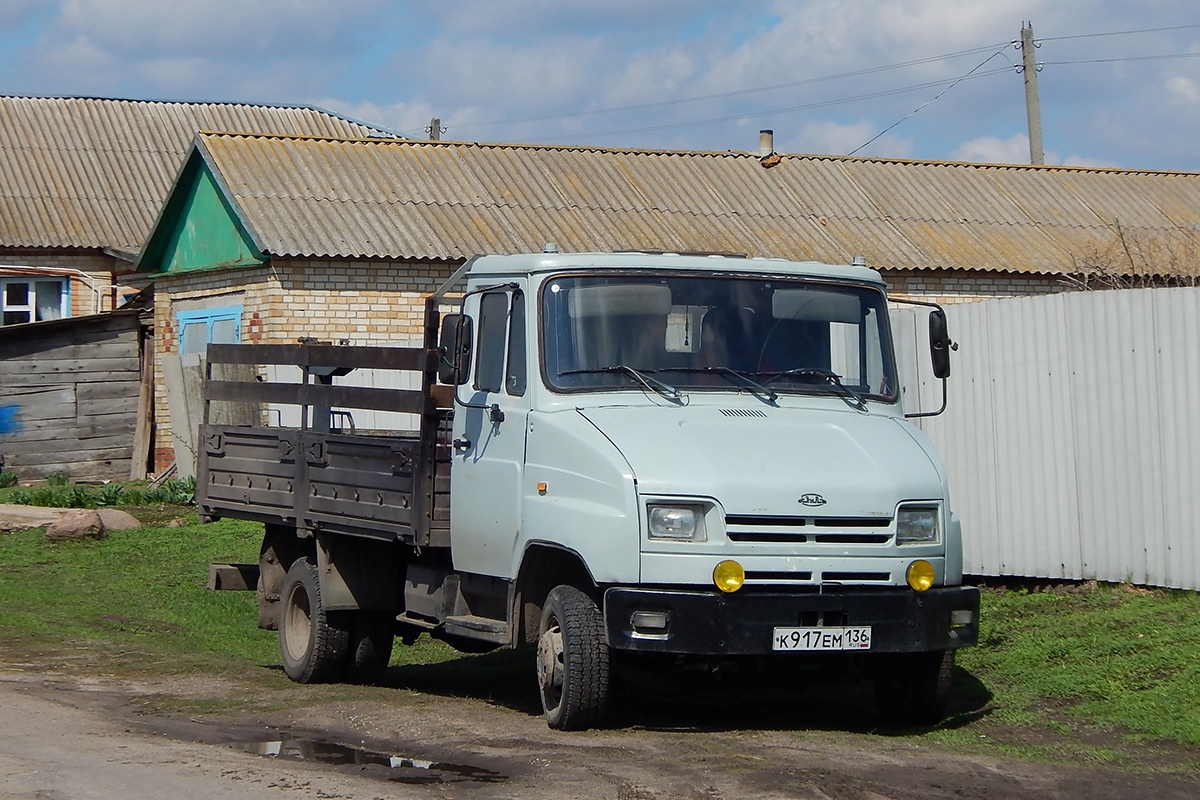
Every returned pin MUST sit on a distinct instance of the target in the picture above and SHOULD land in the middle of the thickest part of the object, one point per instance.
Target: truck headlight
(680, 523)
(917, 525)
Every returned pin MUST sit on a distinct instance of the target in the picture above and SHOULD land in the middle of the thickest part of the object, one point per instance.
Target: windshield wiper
(765, 391)
(639, 375)
(832, 378)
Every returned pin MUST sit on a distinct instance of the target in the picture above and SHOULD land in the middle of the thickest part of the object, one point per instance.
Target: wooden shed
(75, 397)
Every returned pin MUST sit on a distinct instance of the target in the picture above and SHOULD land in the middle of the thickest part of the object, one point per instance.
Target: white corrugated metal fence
(1072, 437)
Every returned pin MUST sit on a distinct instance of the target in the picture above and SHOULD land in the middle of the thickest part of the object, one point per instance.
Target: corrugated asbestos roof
(88, 172)
(394, 199)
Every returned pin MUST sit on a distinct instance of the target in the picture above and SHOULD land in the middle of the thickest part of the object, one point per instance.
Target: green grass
(1113, 658)
(144, 588)
(139, 599)
(57, 492)
(1070, 673)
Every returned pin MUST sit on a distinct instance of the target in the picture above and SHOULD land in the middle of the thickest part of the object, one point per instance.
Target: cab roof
(534, 263)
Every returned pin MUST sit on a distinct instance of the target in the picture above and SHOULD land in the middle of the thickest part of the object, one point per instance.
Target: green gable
(198, 228)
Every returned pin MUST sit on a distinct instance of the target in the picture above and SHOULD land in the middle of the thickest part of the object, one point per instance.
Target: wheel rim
(550, 665)
(297, 624)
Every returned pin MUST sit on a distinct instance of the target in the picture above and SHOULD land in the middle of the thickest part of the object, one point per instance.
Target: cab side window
(493, 319)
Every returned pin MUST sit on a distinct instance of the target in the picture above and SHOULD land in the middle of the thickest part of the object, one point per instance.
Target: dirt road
(67, 740)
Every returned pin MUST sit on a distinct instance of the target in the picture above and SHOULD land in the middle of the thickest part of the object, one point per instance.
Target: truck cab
(714, 450)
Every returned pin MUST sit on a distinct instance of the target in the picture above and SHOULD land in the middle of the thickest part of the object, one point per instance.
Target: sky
(1118, 81)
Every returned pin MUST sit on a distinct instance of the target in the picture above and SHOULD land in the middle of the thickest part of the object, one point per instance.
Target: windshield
(763, 335)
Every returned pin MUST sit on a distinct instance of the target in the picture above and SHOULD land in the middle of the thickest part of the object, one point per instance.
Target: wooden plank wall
(71, 392)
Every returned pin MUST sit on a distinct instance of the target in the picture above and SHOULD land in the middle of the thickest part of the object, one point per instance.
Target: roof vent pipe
(766, 143)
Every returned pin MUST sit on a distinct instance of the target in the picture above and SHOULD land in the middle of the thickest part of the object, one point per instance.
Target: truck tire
(311, 647)
(913, 688)
(370, 647)
(572, 660)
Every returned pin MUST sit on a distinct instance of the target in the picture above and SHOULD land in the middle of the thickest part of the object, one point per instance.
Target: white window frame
(31, 307)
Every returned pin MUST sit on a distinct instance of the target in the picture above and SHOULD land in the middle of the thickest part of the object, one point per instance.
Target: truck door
(489, 438)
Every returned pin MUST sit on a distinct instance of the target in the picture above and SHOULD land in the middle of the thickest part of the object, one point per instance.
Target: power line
(791, 109)
(928, 102)
(1125, 58)
(838, 76)
(737, 92)
(1116, 33)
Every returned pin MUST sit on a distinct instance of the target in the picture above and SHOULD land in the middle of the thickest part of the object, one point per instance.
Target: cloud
(542, 20)
(16, 12)
(213, 27)
(1184, 89)
(994, 150)
(206, 49)
(410, 120)
(834, 138)
(1015, 150)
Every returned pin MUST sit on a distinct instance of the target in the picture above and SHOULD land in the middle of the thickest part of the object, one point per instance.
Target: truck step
(482, 628)
(420, 622)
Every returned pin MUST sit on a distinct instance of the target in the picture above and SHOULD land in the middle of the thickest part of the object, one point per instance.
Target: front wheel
(572, 660)
(312, 649)
(913, 688)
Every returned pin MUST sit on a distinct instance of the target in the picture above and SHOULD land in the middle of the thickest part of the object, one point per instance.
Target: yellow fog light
(920, 575)
(729, 576)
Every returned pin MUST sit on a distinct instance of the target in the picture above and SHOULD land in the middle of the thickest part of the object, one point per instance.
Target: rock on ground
(15, 517)
(87, 523)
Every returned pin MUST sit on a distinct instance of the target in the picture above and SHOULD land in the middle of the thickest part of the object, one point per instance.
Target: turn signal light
(729, 576)
(920, 575)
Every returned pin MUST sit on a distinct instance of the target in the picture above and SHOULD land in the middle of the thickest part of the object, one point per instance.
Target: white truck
(618, 456)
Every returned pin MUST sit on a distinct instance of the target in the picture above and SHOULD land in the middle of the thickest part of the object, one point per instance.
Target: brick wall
(957, 286)
(362, 302)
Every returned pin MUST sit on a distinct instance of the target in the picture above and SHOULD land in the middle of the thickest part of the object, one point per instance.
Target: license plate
(852, 638)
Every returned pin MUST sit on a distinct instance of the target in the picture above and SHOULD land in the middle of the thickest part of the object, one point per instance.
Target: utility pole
(1033, 110)
(435, 129)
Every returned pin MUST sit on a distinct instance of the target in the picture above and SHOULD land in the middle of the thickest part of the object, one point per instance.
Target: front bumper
(742, 623)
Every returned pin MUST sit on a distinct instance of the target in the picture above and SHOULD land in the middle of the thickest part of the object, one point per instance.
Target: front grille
(766, 537)
(800, 522)
(856, 576)
(777, 577)
(808, 530)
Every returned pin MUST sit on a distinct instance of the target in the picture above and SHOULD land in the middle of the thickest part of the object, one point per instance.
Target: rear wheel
(311, 646)
(572, 660)
(370, 647)
(913, 688)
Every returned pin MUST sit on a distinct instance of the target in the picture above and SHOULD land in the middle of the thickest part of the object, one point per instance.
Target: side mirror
(454, 346)
(939, 343)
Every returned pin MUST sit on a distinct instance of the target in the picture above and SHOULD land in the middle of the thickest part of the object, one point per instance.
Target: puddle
(399, 769)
